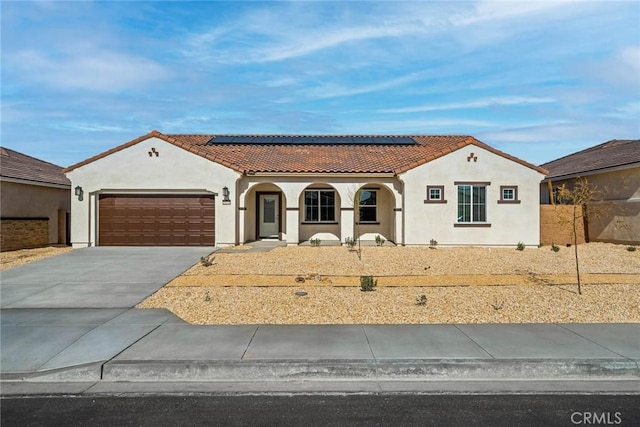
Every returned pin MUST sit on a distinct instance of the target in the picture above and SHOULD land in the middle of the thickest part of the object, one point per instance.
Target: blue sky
(536, 79)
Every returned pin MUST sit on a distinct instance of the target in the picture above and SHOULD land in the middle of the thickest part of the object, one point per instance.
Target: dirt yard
(461, 285)
(24, 256)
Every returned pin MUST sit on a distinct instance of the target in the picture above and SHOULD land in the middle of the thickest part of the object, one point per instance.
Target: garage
(156, 220)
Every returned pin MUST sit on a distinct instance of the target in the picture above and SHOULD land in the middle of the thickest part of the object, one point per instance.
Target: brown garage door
(156, 220)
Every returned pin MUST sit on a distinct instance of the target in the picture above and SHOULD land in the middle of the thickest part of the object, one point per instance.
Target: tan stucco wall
(175, 170)
(24, 200)
(614, 215)
(510, 223)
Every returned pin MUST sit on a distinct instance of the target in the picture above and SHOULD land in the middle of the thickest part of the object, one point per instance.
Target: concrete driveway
(99, 277)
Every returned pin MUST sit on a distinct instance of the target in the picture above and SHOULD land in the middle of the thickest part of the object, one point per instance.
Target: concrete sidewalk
(110, 345)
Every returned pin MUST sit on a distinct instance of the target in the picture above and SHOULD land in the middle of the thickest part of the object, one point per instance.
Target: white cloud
(630, 110)
(481, 103)
(335, 91)
(86, 127)
(103, 71)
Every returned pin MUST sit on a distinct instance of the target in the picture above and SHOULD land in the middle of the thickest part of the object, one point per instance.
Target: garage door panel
(156, 220)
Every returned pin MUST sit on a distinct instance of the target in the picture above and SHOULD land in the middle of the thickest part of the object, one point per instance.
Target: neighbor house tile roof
(26, 168)
(318, 157)
(610, 154)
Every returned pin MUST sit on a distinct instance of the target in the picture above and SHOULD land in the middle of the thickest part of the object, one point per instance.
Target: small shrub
(520, 246)
(368, 284)
(349, 243)
(631, 248)
(497, 305)
(379, 240)
(207, 297)
(421, 299)
(206, 261)
(433, 243)
(315, 242)
(554, 247)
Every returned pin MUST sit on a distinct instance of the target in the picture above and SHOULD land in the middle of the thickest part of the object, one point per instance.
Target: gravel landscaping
(461, 285)
(24, 256)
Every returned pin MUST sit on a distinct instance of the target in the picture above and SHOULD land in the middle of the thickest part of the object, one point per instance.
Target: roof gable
(610, 154)
(16, 165)
(317, 154)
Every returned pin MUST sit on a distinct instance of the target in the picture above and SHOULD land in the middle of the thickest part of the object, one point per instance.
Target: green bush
(520, 246)
(631, 248)
(433, 243)
(421, 299)
(368, 284)
(554, 247)
(379, 240)
(315, 242)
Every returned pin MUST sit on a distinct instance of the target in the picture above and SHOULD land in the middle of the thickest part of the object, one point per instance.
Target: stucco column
(346, 223)
(398, 221)
(241, 215)
(293, 222)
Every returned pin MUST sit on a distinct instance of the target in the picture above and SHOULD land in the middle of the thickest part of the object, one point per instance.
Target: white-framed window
(509, 194)
(368, 204)
(435, 194)
(472, 203)
(319, 205)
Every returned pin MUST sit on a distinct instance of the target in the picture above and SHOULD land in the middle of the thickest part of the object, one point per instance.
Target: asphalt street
(324, 410)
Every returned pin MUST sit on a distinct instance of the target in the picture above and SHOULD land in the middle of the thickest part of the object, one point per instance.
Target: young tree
(580, 195)
(354, 198)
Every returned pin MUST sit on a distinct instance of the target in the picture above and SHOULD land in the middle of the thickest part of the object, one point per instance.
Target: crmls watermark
(596, 418)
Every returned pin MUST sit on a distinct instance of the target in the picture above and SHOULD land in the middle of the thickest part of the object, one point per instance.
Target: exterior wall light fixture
(225, 195)
(79, 192)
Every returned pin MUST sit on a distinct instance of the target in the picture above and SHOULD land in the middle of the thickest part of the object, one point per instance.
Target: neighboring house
(35, 202)
(614, 168)
(231, 189)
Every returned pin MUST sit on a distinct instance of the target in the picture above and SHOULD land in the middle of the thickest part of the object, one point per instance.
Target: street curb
(242, 370)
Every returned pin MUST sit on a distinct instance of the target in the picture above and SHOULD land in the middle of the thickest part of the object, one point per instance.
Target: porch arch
(376, 214)
(319, 205)
(253, 215)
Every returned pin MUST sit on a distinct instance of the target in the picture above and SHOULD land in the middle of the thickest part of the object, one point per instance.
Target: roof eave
(592, 172)
(34, 182)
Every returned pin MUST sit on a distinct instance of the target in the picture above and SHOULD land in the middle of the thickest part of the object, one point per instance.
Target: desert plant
(554, 247)
(349, 243)
(520, 246)
(631, 248)
(433, 243)
(368, 284)
(315, 242)
(207, 297)
(379, 240)
(206, 261)
(497, 305)
(421, 299)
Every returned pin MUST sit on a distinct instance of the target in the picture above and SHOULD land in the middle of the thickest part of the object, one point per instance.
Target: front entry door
(269, 215)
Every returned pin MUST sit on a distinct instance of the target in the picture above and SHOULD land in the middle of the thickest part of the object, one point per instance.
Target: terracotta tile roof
(609, 154)
(20, 166)
(318, 157)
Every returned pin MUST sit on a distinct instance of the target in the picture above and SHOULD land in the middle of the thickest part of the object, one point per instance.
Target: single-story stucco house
(613, 167)
(231, 189)
(35, 202)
